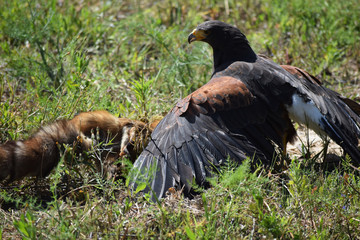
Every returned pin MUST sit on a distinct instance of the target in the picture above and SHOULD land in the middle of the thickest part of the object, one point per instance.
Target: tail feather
(343, 140)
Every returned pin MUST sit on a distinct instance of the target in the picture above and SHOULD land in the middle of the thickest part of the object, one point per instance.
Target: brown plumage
(39, 154)
(243, 112)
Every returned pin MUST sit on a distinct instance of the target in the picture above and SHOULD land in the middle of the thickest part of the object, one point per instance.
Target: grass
(131, 58)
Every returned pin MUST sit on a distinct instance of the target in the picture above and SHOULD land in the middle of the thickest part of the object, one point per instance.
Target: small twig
(252, 230)
(312, 221)
(348, 183)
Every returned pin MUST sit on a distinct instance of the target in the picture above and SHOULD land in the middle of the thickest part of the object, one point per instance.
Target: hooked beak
(196, 35)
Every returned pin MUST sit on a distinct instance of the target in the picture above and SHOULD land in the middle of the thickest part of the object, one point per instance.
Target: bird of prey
(244, 111)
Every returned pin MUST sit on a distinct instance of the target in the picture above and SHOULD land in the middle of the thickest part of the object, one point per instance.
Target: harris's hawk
(244, 111)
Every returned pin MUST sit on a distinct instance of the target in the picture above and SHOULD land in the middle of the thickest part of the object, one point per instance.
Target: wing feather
(200, 133)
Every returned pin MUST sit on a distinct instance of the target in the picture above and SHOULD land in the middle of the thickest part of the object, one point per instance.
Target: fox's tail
(39, 154)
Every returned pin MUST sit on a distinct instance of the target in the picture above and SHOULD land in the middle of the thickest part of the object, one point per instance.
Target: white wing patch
(306, 113)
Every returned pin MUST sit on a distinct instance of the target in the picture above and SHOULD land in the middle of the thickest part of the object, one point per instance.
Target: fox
(40, 153)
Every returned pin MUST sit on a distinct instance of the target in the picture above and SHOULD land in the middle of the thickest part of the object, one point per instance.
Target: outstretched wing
(305, 100)
(304, 75)
(326, 111)
(221, 120)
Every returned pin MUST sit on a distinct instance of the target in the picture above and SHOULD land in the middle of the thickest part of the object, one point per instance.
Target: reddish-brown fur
(38, 155)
